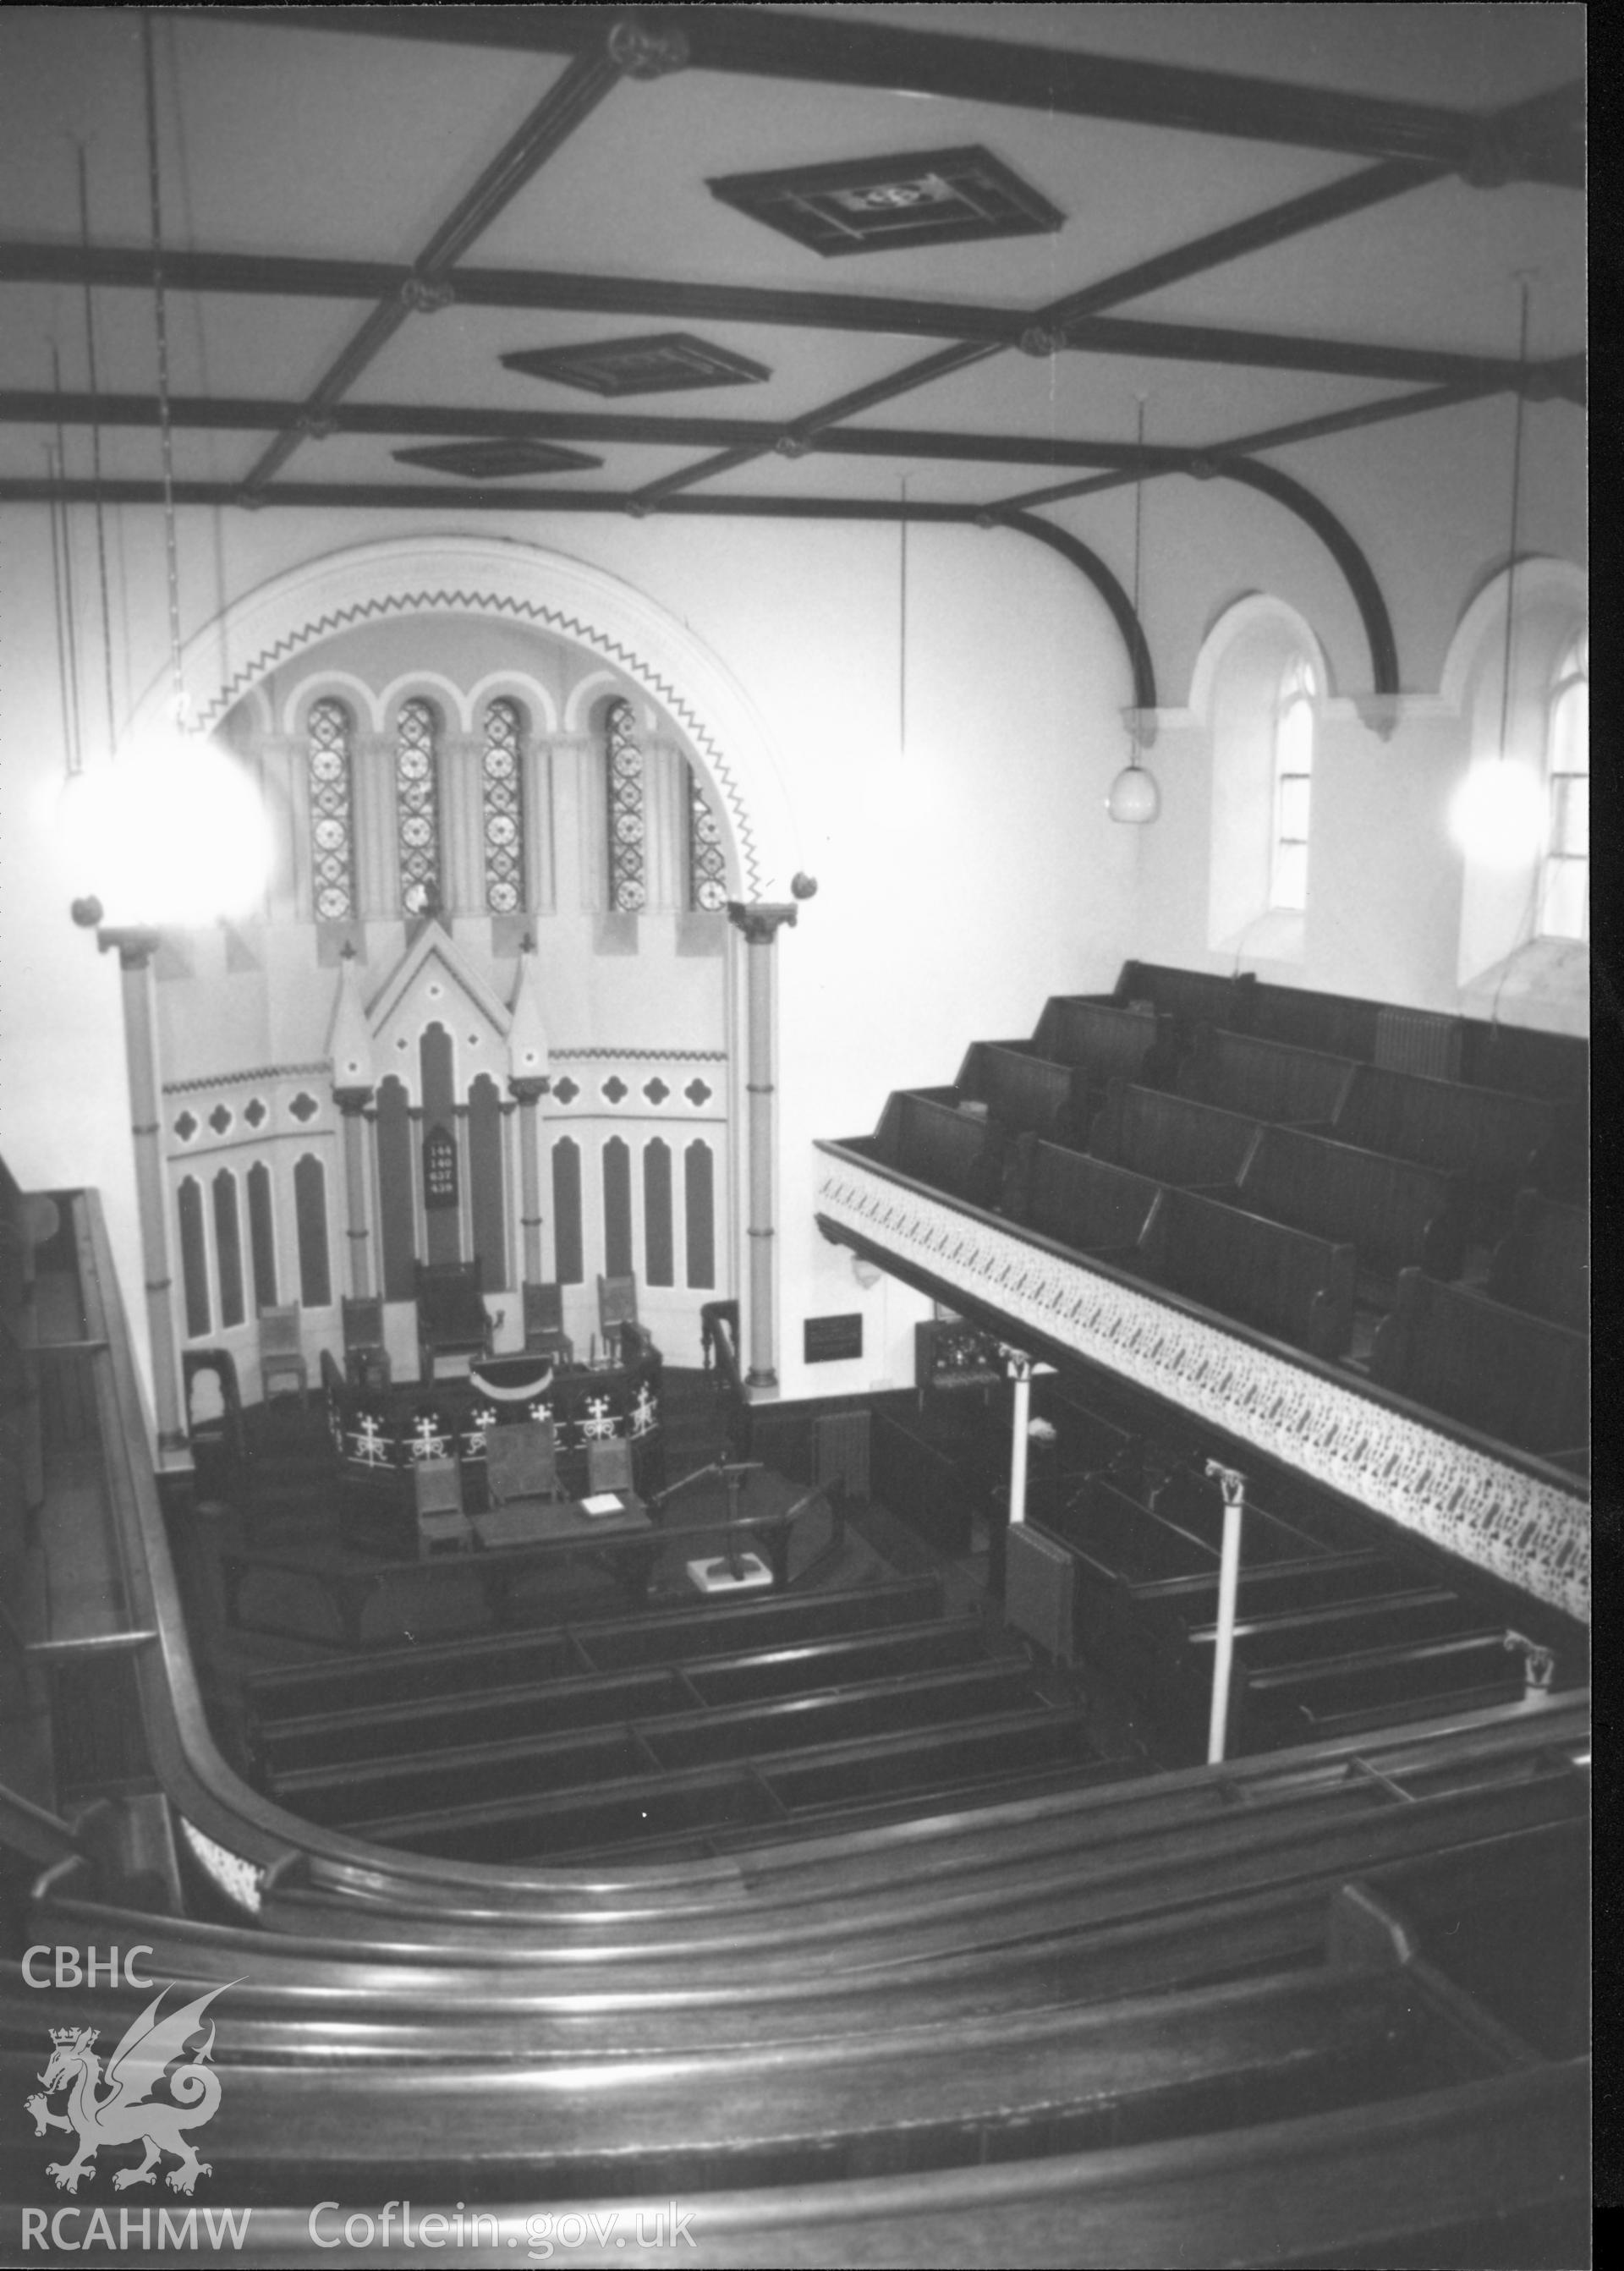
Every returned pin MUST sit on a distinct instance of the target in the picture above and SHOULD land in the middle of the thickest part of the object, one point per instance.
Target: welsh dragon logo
(130, 2113)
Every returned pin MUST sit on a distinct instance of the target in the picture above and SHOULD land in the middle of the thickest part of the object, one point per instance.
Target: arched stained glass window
(332, 836)
(1565, 871)
(503, 799)
(417, 807)
(628, 830)
(707, 861)
(1294, 781)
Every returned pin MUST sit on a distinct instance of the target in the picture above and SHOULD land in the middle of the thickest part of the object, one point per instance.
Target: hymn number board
(439, 1168)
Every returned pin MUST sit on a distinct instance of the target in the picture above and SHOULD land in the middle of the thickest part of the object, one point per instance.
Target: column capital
(529, 1088)
(351, 1102)
(136, 946)
(760, 921)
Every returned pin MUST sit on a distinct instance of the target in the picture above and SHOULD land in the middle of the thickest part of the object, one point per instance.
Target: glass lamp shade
(1498, 816)
(1135, 797)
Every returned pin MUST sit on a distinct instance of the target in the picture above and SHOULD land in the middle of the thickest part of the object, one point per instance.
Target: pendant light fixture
(177, 831)
(1135, 799)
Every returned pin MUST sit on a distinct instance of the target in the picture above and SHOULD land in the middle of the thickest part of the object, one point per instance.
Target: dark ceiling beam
(573, 97)
(279, 277)
(409, 495)
(203, 413)
(1334, 201)
(1215, 455)
(1537, 142)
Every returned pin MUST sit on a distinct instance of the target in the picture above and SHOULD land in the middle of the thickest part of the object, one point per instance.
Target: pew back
(1269, 1080)
(934, 1141)
(1543, 1263)
(1108, 1042)
(1487, 1135)
(1083, 1203)
(1021, 1090)
(1281, 1281)
(1171, 1138)
(1515, 1377)
(1396, 1214)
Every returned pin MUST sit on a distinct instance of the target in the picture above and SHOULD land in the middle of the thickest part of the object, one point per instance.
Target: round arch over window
(1564, 875)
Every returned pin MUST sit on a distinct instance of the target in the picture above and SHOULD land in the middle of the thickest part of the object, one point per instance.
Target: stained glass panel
(504, 808)
(332, 843)
(707, 861)
(417, 808)
(628, 866)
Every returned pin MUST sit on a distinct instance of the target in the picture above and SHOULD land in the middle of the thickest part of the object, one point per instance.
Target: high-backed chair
(366, 1360)
(521, 1461)
(213, 1432)
(281, 1355)
(608, 1466)
(451, 1319)
(544, 1323)
(617, 1303)
(442, 1525)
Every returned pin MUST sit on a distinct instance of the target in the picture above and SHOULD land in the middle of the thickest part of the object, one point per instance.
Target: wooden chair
(281, 1355)
(451, 1319)
(608, 1467)
(617, 1303)
(366, 1360)
(442, 1525)
(521, 1461)
(214, 1436)
(544, 1323)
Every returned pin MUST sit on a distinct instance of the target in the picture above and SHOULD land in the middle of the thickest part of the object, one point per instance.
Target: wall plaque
(827, 1339)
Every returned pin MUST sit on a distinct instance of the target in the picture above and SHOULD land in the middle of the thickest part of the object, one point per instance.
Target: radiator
(1038, 1580)
(840, 1453)
(1418, 1041)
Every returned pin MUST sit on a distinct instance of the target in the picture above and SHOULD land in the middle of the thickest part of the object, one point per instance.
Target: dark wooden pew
(1543, 1262)
(674, 1734)
(1170, 1138)
(419, 1725)
(1194, 997)
(1393, 1213)
(1265, 1080)
(1023, 1092)
(477, 1661)
(1491, 1138)
(1512, 1376)
(1106, 1042)
(959, 1152)
(1278, 1280)
(1081, 1201)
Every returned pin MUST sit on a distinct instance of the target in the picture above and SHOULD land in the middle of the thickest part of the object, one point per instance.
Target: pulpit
(452, 1320)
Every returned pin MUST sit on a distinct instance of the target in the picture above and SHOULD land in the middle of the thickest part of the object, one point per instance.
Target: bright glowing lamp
(1498, 815)
(1135, 797)
(174, 832)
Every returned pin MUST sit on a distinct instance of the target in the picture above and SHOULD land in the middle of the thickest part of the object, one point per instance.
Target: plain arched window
(1293, 782)
(332, 836)
(502, 786)
(1565, 870)
(417, 807)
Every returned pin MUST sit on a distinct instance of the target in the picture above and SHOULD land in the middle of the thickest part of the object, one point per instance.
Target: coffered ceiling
(1273, 223)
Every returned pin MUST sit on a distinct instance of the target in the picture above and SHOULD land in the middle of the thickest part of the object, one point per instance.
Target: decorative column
(349, 1048)
(528, 1082)
(760, 925)
(1232, 1483)
(1021, 1369)
(136, 949)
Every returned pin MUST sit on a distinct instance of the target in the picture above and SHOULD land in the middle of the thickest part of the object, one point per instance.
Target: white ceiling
(300, 141)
